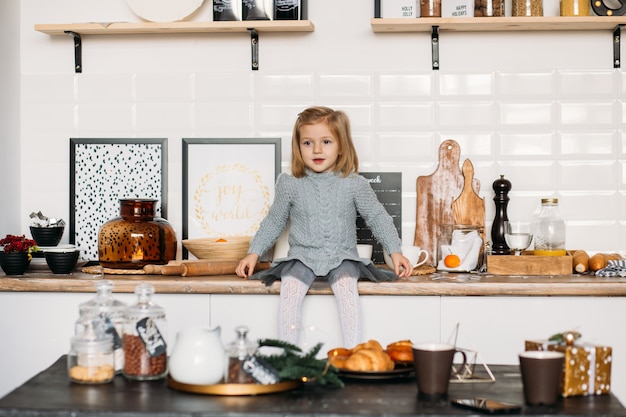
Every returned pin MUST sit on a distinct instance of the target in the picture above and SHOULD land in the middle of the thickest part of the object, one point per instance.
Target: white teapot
(198, 356)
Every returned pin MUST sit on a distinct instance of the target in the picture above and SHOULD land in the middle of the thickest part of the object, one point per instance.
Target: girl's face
(319, 148)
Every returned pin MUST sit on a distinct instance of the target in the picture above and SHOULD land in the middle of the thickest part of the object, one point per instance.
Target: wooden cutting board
(435, 194)
(469, 208)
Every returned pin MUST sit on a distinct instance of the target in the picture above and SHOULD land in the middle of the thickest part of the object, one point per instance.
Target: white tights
(292, 293)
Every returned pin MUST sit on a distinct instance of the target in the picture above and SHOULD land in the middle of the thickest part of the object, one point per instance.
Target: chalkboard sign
(388, 189)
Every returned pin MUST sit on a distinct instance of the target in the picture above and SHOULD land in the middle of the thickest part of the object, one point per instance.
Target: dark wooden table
(50, 393)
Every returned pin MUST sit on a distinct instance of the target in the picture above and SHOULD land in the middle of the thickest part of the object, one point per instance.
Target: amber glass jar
(136, 238)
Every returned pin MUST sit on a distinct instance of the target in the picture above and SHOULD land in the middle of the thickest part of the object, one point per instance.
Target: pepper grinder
(498, 242)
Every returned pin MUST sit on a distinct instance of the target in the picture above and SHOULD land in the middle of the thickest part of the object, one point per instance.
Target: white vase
(198, 356)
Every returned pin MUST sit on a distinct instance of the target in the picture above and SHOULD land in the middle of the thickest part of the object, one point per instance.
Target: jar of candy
(144, 341)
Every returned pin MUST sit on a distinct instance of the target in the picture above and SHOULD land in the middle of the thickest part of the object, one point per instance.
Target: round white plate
(164, 10)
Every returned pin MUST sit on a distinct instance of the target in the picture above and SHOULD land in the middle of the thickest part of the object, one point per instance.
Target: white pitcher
(198, 356)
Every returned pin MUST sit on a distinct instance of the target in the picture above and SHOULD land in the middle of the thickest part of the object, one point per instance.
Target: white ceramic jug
(198, 356)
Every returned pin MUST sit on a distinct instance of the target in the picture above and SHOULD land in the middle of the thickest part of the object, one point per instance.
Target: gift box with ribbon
(587, 366)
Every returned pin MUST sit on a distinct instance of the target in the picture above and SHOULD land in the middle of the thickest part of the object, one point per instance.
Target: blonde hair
(339, 125)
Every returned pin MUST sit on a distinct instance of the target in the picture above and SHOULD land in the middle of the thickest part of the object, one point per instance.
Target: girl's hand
(400, 260)
(246, 265)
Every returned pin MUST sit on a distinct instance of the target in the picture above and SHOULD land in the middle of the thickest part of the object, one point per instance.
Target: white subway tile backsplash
(466, 115)
(223, 116)
(590, 207)
(236, 85)
(587, 84)
(527, 115)
(531, 176)
(585, 144)
(284, 86)
(460, 85)
(52, 118)
(49, 88)
(401, 116)
(522, 85)
(344, 85)
(105, 88)
(164, 87)
(105, 117)
(588, 113)
(406, 148)
(588, 175)
(408, 86)
(526, 145)
(164, 117)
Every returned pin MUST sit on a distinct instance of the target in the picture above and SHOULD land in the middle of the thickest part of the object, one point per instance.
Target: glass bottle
(463, 234)
(90, 359)
(136, 238)
(527, 8)
(550, 230)
(144, 341)
(237, 352)
(113, 314)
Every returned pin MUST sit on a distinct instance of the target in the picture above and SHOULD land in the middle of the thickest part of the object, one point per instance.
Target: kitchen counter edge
(437, 284)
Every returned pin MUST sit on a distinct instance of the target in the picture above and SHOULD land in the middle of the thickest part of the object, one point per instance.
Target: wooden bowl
(230, 248)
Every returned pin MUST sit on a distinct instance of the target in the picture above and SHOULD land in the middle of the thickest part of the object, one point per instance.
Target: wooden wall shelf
(76, 30)
(434, 25)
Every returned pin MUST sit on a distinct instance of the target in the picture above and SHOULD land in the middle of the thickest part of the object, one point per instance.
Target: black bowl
(47, 236)
(61, 261)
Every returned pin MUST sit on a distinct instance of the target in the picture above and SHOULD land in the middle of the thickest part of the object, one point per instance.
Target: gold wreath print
(231, 201)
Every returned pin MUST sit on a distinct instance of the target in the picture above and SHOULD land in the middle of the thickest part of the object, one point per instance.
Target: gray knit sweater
(322, 210)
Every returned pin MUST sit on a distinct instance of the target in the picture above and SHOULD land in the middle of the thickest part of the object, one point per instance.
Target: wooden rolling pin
(199, 267)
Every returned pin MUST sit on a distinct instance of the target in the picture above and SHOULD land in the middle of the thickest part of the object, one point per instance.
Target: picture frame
(228, 185)
(104, 170)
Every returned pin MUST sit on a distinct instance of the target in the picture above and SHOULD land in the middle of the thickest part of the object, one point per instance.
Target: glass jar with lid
(144, 341)
(113, 314)
(527, 8)
(236, 353)
(549, 229)
(90, 359)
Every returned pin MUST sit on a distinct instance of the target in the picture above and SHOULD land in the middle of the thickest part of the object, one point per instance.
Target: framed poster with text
(228, 185)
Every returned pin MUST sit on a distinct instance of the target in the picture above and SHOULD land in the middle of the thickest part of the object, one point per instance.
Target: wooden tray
(529, 264)
(233, 389)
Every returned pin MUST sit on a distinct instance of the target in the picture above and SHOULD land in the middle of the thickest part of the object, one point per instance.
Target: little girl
(320, 200)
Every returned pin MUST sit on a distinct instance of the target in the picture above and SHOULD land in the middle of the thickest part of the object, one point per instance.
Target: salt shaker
(145, 348)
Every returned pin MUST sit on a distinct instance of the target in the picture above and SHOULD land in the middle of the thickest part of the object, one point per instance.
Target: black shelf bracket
(617, 34)
(78, 51)
(254, 44)
(434, 43)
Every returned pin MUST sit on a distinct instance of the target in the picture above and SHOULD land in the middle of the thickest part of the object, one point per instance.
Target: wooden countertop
(437, 284)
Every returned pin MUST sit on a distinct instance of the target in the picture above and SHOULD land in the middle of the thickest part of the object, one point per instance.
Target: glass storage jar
(430, 8)
(112, 311)
(144, 341)
(549, 229)
(90, 359)
(527, 8)
(575, 7)
(136, 238)
(236, 353)
(489, 8)
(462, 240)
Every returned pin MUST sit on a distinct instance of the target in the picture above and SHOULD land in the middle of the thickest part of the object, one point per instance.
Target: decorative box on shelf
(587, 366)
(529, 264)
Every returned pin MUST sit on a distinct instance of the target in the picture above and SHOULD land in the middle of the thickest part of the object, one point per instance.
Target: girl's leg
(344, 286)
(292, 293)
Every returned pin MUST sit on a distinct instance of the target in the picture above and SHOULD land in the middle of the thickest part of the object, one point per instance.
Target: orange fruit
(452, 261)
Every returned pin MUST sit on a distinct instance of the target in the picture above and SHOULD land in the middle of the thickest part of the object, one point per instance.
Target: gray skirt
(297, 269)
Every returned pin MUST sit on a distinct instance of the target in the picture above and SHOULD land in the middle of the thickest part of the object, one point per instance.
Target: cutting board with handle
(435, 194)
(468, 208)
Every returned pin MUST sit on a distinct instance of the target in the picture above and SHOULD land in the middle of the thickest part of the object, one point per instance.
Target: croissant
(369, 360)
